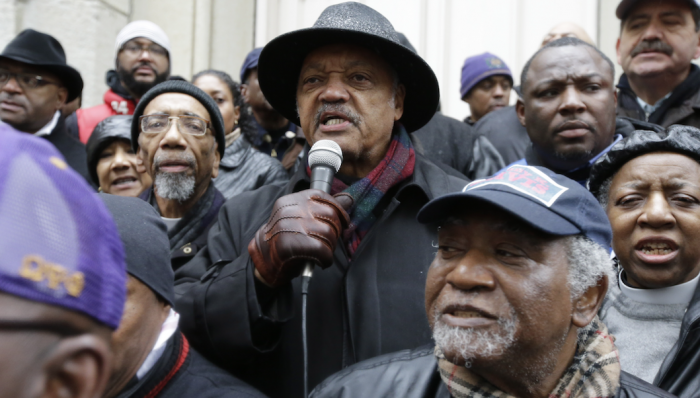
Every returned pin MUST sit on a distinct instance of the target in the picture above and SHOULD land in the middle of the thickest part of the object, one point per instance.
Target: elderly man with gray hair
(520, 272)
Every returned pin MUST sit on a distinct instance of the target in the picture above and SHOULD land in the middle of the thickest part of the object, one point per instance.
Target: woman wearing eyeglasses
(112, 162)
(242, 168)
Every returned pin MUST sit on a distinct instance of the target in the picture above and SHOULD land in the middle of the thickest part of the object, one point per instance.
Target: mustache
(146, 64)
(652, 45)
(185, 158)
(573, 124)
(353, 117)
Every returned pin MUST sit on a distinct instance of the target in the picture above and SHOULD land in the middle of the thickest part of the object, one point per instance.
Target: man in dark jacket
(152, 357)
(277, 136)
(658, 40)
(178, 135)
(648, 186)
(510, 249)
(503, 129)
(35, 83)
(568, 107)
(240, 300)
(142, 60)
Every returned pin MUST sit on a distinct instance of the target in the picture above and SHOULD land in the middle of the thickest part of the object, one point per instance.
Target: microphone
(325, 158)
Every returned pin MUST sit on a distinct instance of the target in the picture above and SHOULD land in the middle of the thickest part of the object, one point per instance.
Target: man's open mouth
(656, 248)
(333, 118)
(126, 180)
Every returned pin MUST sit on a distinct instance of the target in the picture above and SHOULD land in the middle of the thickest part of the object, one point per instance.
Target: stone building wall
(203, 33)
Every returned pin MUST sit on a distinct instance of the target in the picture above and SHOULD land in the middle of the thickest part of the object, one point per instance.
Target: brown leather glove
(304, 226)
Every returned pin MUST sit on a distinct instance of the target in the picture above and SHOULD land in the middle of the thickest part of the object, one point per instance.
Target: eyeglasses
(156, 124)
(136, 50)
(60, 328)
(25, 80)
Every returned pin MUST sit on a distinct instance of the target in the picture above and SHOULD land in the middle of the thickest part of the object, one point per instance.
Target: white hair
(174, 186)
(589, 262)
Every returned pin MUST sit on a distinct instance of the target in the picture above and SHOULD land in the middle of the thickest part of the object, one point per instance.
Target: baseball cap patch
(526, 180)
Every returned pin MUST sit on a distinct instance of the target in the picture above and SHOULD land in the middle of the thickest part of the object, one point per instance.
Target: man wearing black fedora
(346, 79)
(35, 83)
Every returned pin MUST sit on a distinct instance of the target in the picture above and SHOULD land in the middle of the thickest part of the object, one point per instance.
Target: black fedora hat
(39, 49)
(354, 23)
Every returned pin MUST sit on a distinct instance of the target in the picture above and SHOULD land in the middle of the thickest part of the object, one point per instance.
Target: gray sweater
(644, 333)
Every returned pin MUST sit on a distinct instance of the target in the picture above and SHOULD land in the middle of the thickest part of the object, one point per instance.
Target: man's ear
(697, 49)
(244, 91)
(61, 97)
(78, 367)
(586, 307)
(399, 101)
(520, 110)
(617, 51)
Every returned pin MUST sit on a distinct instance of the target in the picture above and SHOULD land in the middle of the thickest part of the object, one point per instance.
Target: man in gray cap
(658, 40)
(178, 135)
(346, 79)
(142, 60)
(151, 356)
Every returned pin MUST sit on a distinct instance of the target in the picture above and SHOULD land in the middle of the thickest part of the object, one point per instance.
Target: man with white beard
(178, 136)
(520, 272)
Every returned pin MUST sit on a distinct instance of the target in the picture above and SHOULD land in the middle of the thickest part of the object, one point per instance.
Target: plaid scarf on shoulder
(396, 166)
(594, 373)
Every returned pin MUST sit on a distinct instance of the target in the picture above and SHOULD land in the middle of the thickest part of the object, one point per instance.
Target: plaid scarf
(594, 373)
(396, 166)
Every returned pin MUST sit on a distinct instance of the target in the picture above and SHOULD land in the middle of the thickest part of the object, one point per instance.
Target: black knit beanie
(176, 86)
(146, 243)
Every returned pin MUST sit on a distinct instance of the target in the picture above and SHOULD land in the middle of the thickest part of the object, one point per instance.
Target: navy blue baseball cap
(539, 197)
(625, 6)
(251, 62)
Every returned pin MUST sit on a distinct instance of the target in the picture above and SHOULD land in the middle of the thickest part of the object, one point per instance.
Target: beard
(137, 88)
(574, 156)
(174, 186)
(470, 344)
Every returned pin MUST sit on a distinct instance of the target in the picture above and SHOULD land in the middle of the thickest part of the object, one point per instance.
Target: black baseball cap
(547, 201)
(626, 6)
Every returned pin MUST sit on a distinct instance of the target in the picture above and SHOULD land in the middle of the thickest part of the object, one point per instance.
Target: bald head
(566, 29)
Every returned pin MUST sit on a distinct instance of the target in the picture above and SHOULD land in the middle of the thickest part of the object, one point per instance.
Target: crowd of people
(154, 243)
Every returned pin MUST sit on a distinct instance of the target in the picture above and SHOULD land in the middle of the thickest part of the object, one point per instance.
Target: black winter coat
(455, 144)
(680, 371)
(244, 168)
(183, 372)
(414, 374)
(356, 309)
(502, 127)
(71, 149)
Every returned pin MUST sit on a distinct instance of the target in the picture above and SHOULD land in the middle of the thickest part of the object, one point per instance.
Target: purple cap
(251, 62)
(59, 243)
(541, 198)
(479, 67)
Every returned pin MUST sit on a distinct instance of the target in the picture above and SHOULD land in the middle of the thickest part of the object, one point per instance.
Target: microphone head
(326, 153)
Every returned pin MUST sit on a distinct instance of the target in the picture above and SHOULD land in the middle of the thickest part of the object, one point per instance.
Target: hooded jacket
(356, 309)
(116, 102)
(414, 374)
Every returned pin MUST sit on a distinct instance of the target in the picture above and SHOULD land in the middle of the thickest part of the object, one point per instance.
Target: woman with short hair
(649, 185)
(242, 168)
(112, 161)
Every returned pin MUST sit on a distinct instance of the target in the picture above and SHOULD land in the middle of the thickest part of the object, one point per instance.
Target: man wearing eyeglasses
(62, 275)
(178, 135)
(142, 60)
(35, 83)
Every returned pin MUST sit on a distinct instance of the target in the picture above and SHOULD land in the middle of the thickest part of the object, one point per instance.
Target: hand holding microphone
(304, 227)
